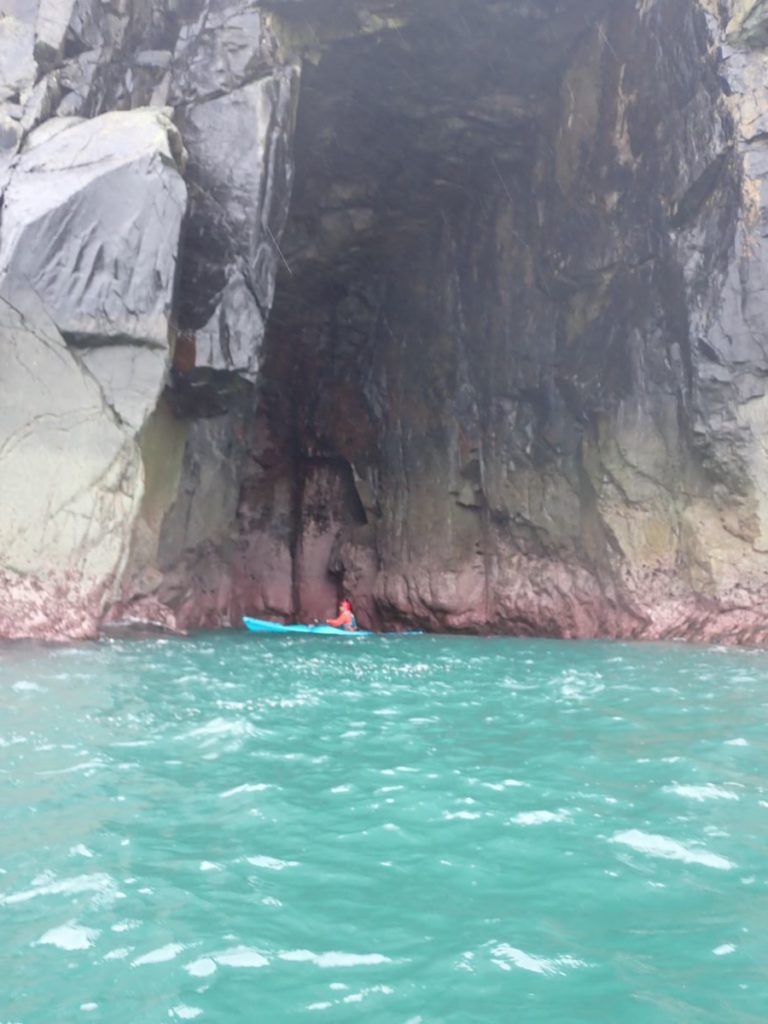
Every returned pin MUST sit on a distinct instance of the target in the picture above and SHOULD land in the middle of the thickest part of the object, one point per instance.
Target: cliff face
(495, 359)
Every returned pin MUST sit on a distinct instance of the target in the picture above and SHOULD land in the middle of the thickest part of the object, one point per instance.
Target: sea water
(407, 831)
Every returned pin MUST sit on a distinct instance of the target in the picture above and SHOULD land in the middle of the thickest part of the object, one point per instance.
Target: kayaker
(345, 619)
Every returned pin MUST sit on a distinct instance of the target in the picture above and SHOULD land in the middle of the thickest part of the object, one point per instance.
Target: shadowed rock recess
(458, 306)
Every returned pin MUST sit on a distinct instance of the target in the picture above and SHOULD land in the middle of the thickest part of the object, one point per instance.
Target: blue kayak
(263, 626)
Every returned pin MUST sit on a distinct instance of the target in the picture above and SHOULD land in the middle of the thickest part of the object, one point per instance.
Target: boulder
(70, 476)
(91, 223)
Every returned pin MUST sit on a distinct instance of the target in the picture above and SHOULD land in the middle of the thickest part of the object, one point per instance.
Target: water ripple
(417, 831)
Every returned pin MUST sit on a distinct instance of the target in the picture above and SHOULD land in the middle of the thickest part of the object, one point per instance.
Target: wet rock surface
(455, 306)
(70, 475)
(531, 305)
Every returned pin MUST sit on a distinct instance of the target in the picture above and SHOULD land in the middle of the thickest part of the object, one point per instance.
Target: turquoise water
(410, 831)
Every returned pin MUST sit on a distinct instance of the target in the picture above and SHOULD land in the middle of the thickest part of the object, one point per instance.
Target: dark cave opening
(481, 270)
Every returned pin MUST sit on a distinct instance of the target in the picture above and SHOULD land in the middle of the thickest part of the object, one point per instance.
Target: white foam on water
(118, 954)
(87, 1007)
(248, 787)
(101, 884)
(461, 815)
(334, 959)
(738, 742)
(540, 817)
(581, 686)
(69, 936)
(341, 789)
(204, 967)
(670, 849)
(159, 956)
(358, 997)
(80, 851)
(701, 793)
(272, 863)
(499, 787)
(725, 949)
(126, 926)
(221, 728)
(241, 956)
(506, 957)
(182, 1012)
(208, 865)
(84, 766)
(24, 686)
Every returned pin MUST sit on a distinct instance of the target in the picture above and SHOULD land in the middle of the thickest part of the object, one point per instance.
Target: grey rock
(238, 206)
(17, 64)
(70, 478)
(91, 222)
(205, 507)
(749, 23)
(228, 46)
(53, 18)
(131, 378)
(77, 77)
(42, 101)
(10, 137)
(231, 340)
(153, 59)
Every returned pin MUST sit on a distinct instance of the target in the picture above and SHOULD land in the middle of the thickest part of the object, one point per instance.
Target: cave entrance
(478, 241)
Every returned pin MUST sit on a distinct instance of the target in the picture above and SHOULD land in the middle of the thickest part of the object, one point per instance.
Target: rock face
(145, 171)
(495, 360)
(91, 221)
(531, 304)
(69, 475)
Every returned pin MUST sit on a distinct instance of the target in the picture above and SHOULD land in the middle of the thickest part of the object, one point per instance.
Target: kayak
(263, 626)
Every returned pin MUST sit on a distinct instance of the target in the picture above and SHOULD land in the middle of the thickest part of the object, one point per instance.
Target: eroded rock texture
(145, 168)
(530, 293)
(495, 360)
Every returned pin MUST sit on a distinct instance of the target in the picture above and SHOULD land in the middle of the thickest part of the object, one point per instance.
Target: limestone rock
(91, 221)
(53, 18)
(239, 199)
(227, 46)
(131, 378)
(749, 22)
(70, 476)
(17, 65)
